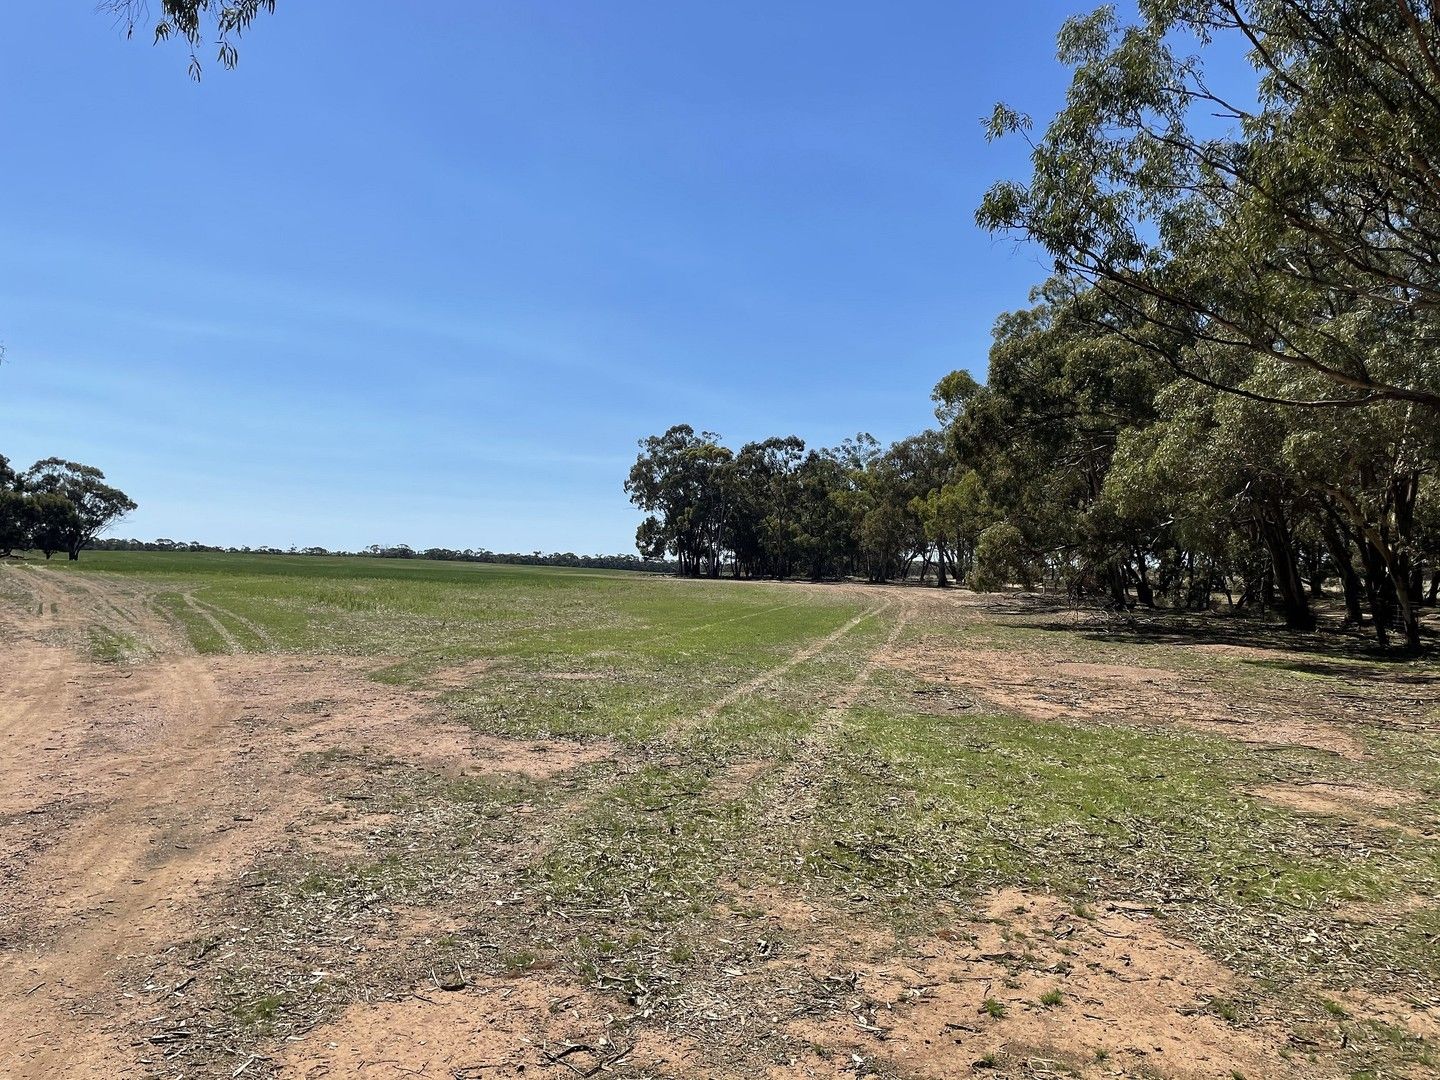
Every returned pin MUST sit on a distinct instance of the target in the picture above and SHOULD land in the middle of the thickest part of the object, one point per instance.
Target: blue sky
(427, 278)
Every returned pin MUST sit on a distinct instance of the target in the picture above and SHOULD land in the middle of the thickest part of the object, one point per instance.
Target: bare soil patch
(1241, 652)
(1384, 912)
(458, 676)
(1040, 686)
(129, 793)
(493, 1027)
(1030, 984)
(1356, 802)
(819, 930)
(1332, 797)
(317, 704)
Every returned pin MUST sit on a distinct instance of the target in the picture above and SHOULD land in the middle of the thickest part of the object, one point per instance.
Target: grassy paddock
(738, 766)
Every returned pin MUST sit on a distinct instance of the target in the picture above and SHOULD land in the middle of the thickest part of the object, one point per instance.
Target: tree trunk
(1388, 561)
(1377, 592)
(1119, 589)
(1339, 549)
(1286, 576)
(1143, 591)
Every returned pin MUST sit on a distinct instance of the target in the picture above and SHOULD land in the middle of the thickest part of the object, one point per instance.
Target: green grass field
(761, 739)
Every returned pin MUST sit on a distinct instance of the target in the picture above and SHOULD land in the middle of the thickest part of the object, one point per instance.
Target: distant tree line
(774, 509)
(405, 551)
(1230, 387)
(534, 558)
(56, 505)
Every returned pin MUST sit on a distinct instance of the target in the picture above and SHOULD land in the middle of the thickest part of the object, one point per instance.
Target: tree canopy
(193, 22)
(56, 505)
(1293, 219)
(775, 509)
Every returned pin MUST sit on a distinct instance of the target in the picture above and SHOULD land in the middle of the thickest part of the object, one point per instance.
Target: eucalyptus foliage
(1294, 217)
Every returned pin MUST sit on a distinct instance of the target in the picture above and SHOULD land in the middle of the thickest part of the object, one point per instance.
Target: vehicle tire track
(31, 684)
(87, 597)
(232, 643)
(261, 634)
(794, 791)
(733, 619)
(136, 750)
(856, 686)
(806, 652)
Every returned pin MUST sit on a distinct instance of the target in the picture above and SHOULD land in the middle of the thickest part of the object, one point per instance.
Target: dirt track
(127, 792)
(120, 800)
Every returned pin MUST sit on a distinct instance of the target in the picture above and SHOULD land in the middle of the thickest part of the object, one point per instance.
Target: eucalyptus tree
(1427, 536)
(680, 480)
(826, 542)
(858, 452)
(1064, 384)
(884, 499)
(954, 515)
(1277, 217)
(15, 512)
(54, 521)
(763, 524)
(1370, 469)
(1213, 464)
(17, 521)
(96, 504)
(1004, 556)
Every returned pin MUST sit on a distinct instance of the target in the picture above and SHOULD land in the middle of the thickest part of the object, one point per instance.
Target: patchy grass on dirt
(539, 822)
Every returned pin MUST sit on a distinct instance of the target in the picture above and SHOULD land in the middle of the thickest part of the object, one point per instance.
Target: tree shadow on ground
(1331, 650)
(1389, 673)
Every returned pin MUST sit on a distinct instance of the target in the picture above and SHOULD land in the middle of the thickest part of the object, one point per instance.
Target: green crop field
(889, 757)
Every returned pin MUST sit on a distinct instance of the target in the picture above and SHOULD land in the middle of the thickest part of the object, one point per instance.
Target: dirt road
(132, 793)
(113, 819)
